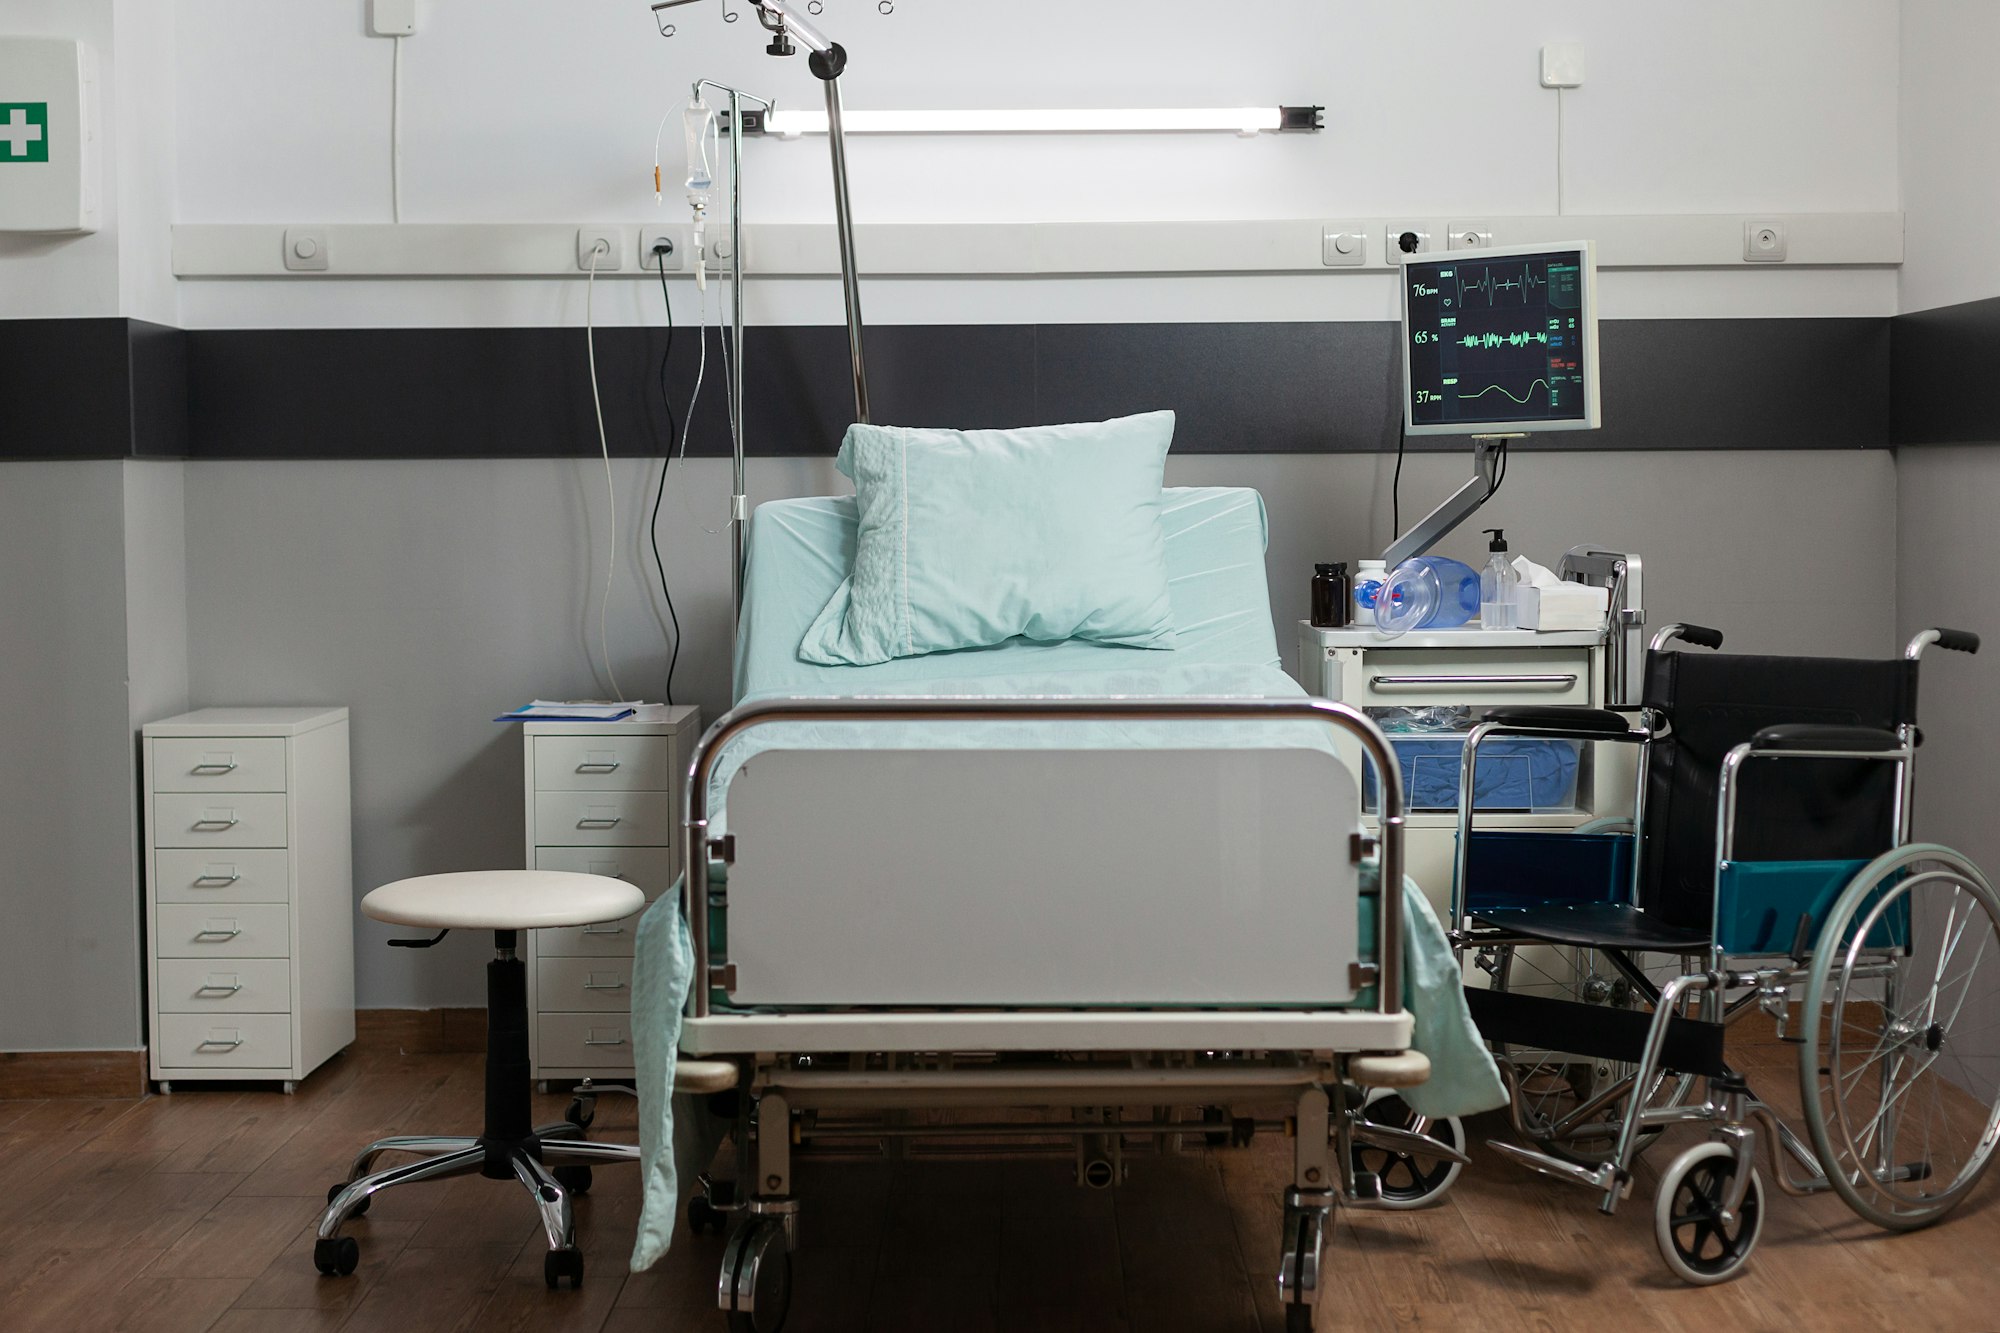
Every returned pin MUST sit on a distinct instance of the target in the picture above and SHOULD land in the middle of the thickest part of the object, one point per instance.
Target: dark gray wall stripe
(1942, 375)
(1238, 388)
(65, 390)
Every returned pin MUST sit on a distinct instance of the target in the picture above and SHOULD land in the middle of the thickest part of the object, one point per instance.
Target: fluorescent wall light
(1238, 120)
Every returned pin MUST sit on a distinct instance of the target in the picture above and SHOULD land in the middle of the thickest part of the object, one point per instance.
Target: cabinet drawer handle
(226, 766)
(215, 824)
(606, 1041)
(218, 988)
(599, 823)
(215, 881)
(218, 933)
(226, 1043)
(1532, 681)
(607, 766)
(604, 930)
(606, 985)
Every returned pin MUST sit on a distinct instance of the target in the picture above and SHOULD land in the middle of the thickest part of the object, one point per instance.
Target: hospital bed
(1060, 876)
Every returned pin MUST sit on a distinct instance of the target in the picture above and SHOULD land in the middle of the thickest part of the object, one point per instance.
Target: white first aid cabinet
(49, 175)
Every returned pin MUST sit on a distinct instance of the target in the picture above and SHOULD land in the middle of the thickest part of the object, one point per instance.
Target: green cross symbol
(24, 131)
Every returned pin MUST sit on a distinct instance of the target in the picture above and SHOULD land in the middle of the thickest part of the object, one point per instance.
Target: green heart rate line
(1491, 286)
(1490, 340)
(1508, 393)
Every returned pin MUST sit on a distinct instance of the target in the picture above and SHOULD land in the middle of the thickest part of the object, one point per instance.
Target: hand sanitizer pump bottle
(1498, 586)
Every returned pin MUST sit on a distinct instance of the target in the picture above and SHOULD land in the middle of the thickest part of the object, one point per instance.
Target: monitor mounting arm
(1432, 527)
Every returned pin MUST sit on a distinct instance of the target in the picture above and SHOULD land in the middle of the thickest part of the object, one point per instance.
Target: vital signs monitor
(1500, 341)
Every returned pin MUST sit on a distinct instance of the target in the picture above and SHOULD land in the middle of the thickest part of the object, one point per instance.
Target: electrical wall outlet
(1341, 247)
(392, 18)
(1405, 239)
(305, 250)
(649, 237)
(1763, 242)
(1562, 65)
(1468, 236)
(605, 242)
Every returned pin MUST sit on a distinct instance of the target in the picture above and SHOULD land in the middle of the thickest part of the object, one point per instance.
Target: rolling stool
(505, 902)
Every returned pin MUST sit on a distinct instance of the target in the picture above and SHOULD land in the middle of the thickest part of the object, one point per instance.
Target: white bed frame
(905, 927)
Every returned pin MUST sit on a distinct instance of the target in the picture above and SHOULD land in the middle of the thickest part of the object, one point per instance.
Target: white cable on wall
(610, 489)
(396, 132)
(1559, 152)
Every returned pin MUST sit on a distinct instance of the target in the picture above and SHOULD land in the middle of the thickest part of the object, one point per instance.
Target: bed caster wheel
(336, 1256)
(1698, 1245)
(575, 1179)
(333, 1192)
(582, 1110)
(1408, 1180)
(756, 1286)
(1298, 1319)
(561, 1265)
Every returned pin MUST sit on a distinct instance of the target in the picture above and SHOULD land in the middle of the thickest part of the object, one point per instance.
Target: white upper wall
(523, 110)
(1950, 151)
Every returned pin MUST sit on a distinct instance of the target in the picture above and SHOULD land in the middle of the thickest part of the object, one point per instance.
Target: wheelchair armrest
(1807, 737)
(1558, 718)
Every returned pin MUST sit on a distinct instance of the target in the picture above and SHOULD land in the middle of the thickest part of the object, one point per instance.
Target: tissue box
(1563, 606)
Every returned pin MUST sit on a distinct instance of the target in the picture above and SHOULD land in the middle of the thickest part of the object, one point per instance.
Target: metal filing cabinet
(603, 798)
(1472, 669)
(249, 893)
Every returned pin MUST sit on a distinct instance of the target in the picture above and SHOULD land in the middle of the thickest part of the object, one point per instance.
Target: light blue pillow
(969, 538)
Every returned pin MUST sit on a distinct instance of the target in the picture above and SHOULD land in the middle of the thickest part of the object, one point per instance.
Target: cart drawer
(252, 875)
(236, 1041)
(229, 763)
(604, 819)
(1418, 676)
(254, 930)
(219, 819)
(651, 870)
(609, 939)
(584, 1041)
(240, 986)
(596, 985)
(604, 763)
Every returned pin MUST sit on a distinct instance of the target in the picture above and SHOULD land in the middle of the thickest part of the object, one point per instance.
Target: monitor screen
(1500, 341)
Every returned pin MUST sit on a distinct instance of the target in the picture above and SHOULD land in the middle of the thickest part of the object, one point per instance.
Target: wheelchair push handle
(1699, 636)
(1951, 640)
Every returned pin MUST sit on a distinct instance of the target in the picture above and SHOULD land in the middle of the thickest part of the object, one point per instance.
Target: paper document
(561, 710)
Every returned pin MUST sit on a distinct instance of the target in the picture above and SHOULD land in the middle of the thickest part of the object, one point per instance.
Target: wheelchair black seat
(1596, 926)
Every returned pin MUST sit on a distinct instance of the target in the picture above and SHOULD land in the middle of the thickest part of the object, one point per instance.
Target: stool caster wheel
(575, 1179)
(560, 1264)
(333, 1192)
(757, 1277)
(582, 1110)
(337, 1256)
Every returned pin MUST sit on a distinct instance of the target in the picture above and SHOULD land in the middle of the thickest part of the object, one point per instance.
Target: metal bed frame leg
(1308, 1204)
(756, 1278)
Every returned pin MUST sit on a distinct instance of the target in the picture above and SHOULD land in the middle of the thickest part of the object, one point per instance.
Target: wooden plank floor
(195, 1212)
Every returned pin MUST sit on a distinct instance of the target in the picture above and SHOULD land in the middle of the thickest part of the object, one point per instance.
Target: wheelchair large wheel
(1570, 1105)
(1899, 1074)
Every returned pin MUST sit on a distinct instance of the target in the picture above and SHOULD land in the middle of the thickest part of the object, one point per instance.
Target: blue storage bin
(1515, 773)
(1516, 870)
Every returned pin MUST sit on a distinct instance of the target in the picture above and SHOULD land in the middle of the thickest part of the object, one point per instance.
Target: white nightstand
(603, 798)
(249, 893)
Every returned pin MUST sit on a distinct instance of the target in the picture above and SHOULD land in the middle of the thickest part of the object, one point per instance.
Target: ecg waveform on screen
(1490, 286)
(1491, 340)
(1505, 392)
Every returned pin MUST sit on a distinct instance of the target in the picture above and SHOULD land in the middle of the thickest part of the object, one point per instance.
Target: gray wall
(430, 596)
(70, 972)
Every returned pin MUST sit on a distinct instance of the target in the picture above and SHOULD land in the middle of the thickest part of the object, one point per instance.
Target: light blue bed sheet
(799, 552)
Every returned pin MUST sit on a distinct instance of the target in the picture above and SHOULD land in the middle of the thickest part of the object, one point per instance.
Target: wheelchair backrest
(1787, 810)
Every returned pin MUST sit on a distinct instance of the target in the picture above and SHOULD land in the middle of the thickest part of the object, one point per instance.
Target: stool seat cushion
(503, 900)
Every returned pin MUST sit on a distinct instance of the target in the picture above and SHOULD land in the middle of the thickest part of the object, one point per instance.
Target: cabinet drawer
(596, 985)
(604, 763)
(1458, 676)
(218, 819)
(234, 1041)
(604, 819)
(610, 939)
(584, 1041)
(190, 930)
(203, 985)
(651, 870)
(192, 875)
(226, 763)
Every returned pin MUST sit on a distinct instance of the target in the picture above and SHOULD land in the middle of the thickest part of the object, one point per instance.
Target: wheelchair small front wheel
(1409, 1179)
(1698, 1243)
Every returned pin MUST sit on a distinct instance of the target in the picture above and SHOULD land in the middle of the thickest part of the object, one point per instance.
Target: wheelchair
(1768, 867)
